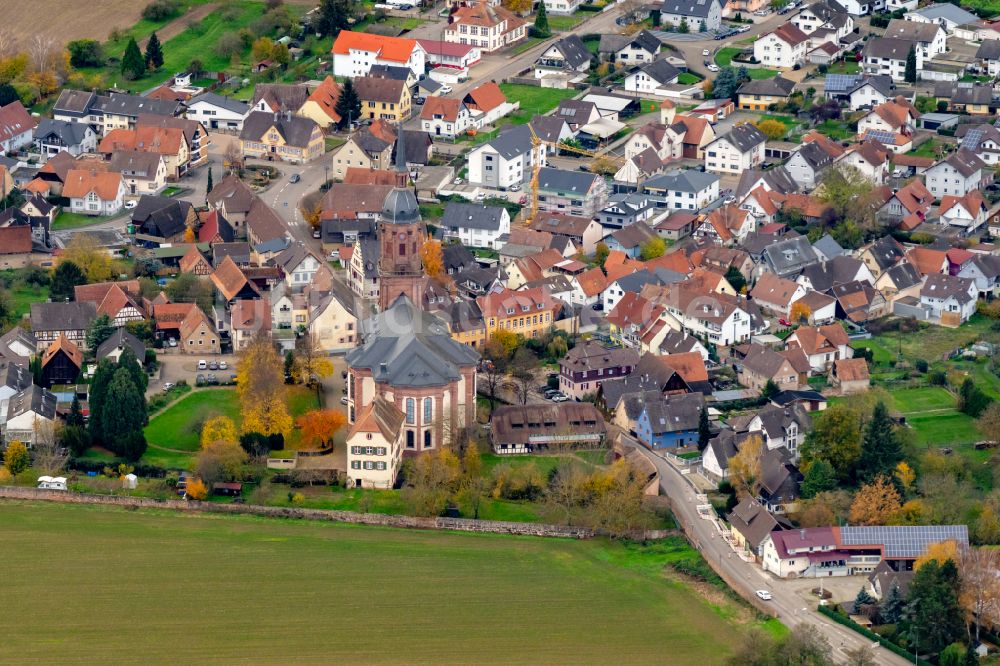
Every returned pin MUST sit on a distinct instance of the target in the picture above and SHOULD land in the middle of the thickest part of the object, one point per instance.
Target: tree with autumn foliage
(800, 313)
(507, 339)
(86, 251)
(875, 503)
(261, 389)
(317, 427)
(313, 216)
(219, 429)
(311, 363)
(221, 461)
(432, 257)
(942, 551)
(774, 130)
(744, 467)
(196, 490)
(979, 591)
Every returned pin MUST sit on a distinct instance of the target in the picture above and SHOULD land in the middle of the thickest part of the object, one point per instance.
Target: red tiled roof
(396, 49)
(15, 240)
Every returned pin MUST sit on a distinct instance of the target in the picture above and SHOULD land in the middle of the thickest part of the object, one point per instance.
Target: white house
(54, 136)
(505, 161)
(298, 264)
(475, 225)
(444, 117)
(374, 445)
(869, 158)
(29, 411)
(490, 27)
(930, 38)
(693, 12)
(652, 78)
(562, 6)
(887, 55)
(354, 53)
(16, 127)
(217, 112)
(968, 213)
(94, 192)
(828, 15)
(945, 14)
(782, 48)
(871, 92)
(958, 174)
(739, 150)
(684, 190)
(948, 298)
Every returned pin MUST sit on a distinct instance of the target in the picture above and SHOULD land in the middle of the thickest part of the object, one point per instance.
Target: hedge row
(884, 642)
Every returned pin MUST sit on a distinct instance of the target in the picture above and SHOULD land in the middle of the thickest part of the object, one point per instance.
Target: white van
(52, 482)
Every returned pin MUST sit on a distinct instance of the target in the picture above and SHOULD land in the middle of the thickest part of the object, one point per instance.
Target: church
(408, 366)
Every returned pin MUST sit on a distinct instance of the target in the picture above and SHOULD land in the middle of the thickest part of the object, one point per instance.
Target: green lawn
(241, 589)
(927, 149)
(179, 426)
(528, 43)
(334, 142)
(762, 73)
(195, 42)
(926, 399)
(67, 220)
(565, 23)
(945, 428)
(835, 129)
(687, 78)
(845, 67)
(23, 295)
(724, 56)
(534, 100)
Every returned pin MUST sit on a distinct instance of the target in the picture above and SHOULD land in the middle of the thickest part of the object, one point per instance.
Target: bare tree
(47, 455)
(567, 491)
(234, 157)
(41, 50)
(980, 591)
(521, 372)
(8, 43)
(494, 369)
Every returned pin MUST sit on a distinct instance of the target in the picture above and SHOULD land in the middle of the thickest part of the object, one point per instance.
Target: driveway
(791, 601)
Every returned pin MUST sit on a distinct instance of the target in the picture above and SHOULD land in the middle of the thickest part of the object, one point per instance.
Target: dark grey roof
(295, 130)
(74, 102)
(790, 397)
(678, 413)
(988, 264)
(611, 43)
(119, 340)
(407, 347)
(827, 9)
(744, 137)
(779, 476)
(428, 84)
(400, 205)
(777, 179)
(678, 342)
(828, 247)
(33, 399)
(888, 47)
(548, 128)
(573, 50)
(277, 244)
(415, 144)
(371, 251)
(949, 286)
(817, 158)
(393, 72)
(20, 337)
(989, 50)
(333, 229)
(636, 281)
(160, 216)
(560, 180)
(827, 274)
(575, 111)
(61, 316)
(690, 180)
(227, 103)
(790, 255)
(70, 134)
(886, 252)
(753, 521)
(15, 375)
(779, 86)
(472, 216)
(286, 96)
(660, 71)
(132, 105)
(513, 141)
(723, 447)
(965, 162)
(696, 8)
(964, 93)
(458, 258)
(881, 82)
(134, 162)
(904, 275)
(370, 143)
(239, 252)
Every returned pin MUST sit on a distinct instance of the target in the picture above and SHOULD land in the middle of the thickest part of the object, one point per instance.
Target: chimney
(802, 534)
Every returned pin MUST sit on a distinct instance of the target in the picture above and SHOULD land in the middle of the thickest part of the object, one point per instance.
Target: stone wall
(410, 522)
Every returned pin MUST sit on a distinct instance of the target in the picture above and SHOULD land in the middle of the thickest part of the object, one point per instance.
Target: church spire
(400, 206)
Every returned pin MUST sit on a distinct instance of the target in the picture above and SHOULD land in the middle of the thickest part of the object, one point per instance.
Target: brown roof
(536, 300)
(927, 260)
(829, 146)
(815, 300)
(95, 293)
(972, 202)
(229, 279)
(914, 197)
(326, 95)
(194, 318)
(251, 315)
(790, 34)
(357, 198)
(485, 97)
(371, 89)
(363, 176)
(446, 107)
(170, 315)
(380, 416)
(15, 240)
(145, 138)
(808, 205)
(689, 365)
(895, 112)
(912, 161)
(67, 346)
(816, 340)
(482, 14)
(851, 369)
(81, 182)
(775, 290)
(192, 258)
(519, 423)
(592, 282)
(695, 128)
(15, 120)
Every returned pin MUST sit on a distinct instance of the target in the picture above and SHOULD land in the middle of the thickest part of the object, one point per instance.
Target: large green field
(534, 100)
(179, 426)
(85, 584)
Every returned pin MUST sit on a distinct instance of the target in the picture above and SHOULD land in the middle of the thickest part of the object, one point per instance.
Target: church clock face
(402, 236)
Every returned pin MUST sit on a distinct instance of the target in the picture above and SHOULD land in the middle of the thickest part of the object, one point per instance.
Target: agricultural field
(214, 588)
(65, 21)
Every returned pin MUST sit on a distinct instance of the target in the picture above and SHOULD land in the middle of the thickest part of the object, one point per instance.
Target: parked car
(897, 173)
(706, 52)
(203, 364)
(343, 400)
(295, 178)
(199, 380)
(457, 181)
(516, 187)
(480, 196)
(171, 342)
(131, 204)
(712, 67)
(317, 233)
(168, 385)
(223, 365)
(213, 365)
(728, 200)
(764, 594)
(560, 398)
(550, 393)
(212, 379)
(522, 201)
(419, 100)
(445, 89)
(334, 255)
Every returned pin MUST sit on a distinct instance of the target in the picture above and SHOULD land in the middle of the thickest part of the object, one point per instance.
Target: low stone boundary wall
(376, 519)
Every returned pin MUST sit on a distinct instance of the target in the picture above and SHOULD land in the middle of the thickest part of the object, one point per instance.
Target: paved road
(792, 606)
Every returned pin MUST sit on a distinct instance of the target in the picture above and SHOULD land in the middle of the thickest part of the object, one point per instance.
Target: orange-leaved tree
(875, 503)
(432, 256)
(318, 427)
(196, 489)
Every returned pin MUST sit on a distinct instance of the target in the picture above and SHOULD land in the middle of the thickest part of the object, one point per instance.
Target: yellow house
(529, 313)
(321, 106)
(285, 138)
(333, 323)
(760, 94)
(388, 99)
(368, 148)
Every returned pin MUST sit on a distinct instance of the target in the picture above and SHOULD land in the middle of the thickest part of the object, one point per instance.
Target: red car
(784, 322)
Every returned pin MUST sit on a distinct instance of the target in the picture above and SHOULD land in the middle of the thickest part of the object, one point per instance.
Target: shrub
(921, 365)
(161, 10)
(197, 490)
(297, 498)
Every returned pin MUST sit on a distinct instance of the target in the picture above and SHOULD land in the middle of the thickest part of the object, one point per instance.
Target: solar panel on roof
(904, 541)
(972, 139)
(840, 82)
(882, 136)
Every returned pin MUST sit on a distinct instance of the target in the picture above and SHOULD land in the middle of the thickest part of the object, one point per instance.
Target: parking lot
(175, 367)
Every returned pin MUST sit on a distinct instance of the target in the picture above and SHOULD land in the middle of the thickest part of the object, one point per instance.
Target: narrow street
(793, 607)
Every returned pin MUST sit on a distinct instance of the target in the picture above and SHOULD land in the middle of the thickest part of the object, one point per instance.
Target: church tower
(401, 235)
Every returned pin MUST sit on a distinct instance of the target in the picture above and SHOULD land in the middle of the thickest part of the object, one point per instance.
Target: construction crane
(537, 142)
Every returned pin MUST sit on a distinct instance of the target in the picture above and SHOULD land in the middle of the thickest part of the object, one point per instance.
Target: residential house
(159, 220)
(122, 301)
(958, 174)
(821, 308)
(195, 134)
(115, 346)
(759, 94)
(565, 60)
(17, 127)
(49, 321)
(196, 333)
(776, 294)
(949, 300)
(217, 112)
(859, 301)
(762, 364)
(782, 48)
(264, 225)
(143, 173)
(448, 54)
(750, 524)
(17, 346)
(930, 38)
(333, 321)
(521, 429)
(475, 225)
(927, 260)
(652, 78)
(354, 53)
(822, 345)
(888, 55)
(285, 138)
(670, 422)
(966, 213)
(54, 136)
(16, 249)
(92, 192)
(562, 7)
(572, 192)
(388, 99)
(168, 142)
(248, 319)
(375, 445)
(529, 312)
(587, 365)
(444, 117)
(321, 105)
(912, 201)
(232, 283)
(489, 27)
(506, 161)
(61, 363)
(988, 55)
(870, 158)
(891, 123)
(882, 254)
(233, 198)
(808, 163)
(194, 261)
(584, 232)
(552, 130)
(368, 148)
(984, 269)
(628, 50)
(720, 318)
(726, 225)
(487, 104)
(28, 413)
(966, 97)
(850, 375)
(215, 228)
(779, 481)
(788, 257)
(826, 275)
(826, 16)
(684, 190)
(299, 265)
(693, 13)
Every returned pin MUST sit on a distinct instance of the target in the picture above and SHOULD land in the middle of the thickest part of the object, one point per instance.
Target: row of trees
(134, 63)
